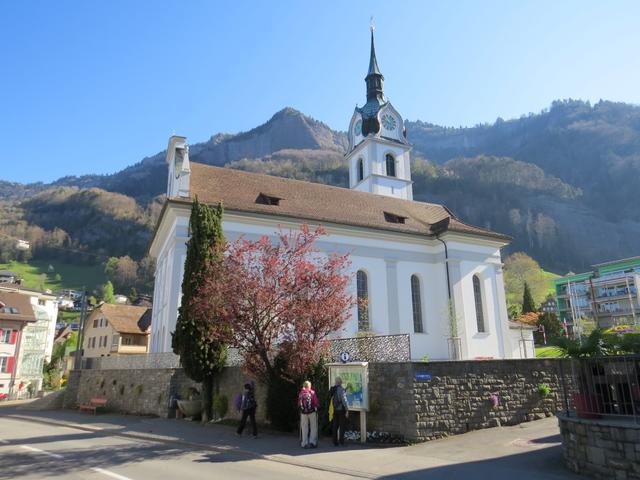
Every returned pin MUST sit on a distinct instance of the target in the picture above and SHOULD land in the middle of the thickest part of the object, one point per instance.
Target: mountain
(562, 182)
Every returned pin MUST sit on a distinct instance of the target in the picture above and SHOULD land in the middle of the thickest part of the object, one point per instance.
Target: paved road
(34, 451)
(78, 446)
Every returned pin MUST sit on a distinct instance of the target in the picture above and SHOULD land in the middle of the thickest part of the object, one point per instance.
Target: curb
(200, 446)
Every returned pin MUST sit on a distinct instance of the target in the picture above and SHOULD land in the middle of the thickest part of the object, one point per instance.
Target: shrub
(544, 389)
(220, 406)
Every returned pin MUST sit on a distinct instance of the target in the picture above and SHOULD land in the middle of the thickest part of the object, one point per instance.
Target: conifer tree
(202, 354)
(528, 305)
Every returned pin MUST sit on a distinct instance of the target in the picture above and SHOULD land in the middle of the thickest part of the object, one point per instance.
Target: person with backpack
(308, 406)
(338, 399)
(248, 406)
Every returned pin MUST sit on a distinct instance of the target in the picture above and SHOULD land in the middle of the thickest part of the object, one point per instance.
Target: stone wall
(147, 391)
(415, 401)
(425, 401)
(602, 449)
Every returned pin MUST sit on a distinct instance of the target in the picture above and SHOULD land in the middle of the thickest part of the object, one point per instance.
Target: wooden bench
(93, 404)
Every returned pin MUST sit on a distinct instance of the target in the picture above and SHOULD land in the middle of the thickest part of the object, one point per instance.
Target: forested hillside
(562, 182)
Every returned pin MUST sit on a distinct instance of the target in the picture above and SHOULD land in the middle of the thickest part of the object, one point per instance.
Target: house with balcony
(607, 296)
(16, 314)
(117, 330)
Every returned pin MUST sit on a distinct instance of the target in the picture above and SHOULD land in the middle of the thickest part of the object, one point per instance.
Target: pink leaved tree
(279, 302)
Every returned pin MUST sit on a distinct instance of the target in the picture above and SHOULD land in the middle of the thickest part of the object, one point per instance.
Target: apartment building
(608, 295)
(16, 314)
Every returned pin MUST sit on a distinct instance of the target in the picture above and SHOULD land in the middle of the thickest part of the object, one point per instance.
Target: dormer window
(390, 162)
(265, 199)
(393, 218)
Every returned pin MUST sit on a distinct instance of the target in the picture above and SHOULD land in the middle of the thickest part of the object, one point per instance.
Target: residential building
(7, 276)
(45, 304)
(412, 261)
(16, 313)
(606, 296)
(116, 330)
(549, 305)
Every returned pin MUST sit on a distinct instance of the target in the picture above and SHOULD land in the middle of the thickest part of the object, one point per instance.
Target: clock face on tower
(388, 122)
(357, 129)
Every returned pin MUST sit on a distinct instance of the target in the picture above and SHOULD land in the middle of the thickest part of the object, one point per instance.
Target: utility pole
(80, 346)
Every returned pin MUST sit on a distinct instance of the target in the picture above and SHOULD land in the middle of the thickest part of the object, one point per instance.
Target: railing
(603, 387)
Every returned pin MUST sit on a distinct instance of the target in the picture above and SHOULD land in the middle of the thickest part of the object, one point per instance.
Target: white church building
(415, 262)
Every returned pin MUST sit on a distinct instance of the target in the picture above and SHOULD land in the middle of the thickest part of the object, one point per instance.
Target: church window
(393, 218)
(477, 294)
(391, 165)
(264, 199)
(363, 300)
(360, 168)
(416, 302)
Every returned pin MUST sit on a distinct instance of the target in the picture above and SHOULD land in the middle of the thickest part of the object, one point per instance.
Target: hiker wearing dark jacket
(308, 406)
(248, 406)
(338, 398)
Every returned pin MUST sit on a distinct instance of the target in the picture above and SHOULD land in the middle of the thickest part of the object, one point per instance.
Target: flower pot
(190, 408)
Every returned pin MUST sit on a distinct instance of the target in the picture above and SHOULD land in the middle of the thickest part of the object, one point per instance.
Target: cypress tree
(200, 356)
(528, 305)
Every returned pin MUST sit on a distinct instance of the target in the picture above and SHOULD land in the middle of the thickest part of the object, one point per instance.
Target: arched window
(477, 294)
(416, 301)
(391, 165)
(360, 168)
(363, 300)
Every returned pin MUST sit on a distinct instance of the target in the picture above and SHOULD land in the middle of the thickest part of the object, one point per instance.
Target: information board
(355, 381)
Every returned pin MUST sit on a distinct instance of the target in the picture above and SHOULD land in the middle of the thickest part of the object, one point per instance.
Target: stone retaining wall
(147, 391)
(600, 448)
(425, 401)
(416, 401)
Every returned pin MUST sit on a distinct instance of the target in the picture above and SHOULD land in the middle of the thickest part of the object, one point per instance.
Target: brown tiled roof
(22, 303)
(123, 318)
(238, 191)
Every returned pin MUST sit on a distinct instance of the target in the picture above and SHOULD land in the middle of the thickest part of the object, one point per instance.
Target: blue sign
(344, 356)
(423, 377)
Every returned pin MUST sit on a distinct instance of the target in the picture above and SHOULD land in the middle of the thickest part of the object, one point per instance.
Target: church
(423, 271)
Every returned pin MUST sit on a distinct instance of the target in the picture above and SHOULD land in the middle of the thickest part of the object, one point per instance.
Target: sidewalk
(529, 451)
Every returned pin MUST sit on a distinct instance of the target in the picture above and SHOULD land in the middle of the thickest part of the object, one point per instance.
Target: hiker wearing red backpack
(308, 405)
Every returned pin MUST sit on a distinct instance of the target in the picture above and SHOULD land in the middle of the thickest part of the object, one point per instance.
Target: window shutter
(14, 337)
(10, 363)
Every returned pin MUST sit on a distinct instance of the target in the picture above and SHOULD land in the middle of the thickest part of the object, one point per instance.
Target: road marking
(37, 450)
(110, 474)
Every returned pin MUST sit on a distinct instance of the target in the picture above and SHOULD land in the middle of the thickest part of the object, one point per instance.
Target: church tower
(378, 152)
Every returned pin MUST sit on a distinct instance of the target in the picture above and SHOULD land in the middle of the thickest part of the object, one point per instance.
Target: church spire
(374, 78)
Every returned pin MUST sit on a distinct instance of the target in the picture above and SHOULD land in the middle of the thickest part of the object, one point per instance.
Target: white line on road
(37, 450)
(110, 474)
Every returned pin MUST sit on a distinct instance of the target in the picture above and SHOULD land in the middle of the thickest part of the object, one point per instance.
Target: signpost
(355, 381)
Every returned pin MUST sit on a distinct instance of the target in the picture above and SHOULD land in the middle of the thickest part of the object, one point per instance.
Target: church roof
(373, 61)
(314, 202)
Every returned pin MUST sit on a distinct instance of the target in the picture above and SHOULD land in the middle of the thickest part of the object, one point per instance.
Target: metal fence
(603, 387)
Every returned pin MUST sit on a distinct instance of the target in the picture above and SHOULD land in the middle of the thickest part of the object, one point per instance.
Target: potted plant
(190, 405)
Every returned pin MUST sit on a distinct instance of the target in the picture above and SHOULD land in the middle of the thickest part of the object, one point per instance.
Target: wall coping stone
(600, 422)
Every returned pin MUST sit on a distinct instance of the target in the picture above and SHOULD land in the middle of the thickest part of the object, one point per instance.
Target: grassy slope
(73, 276)
(548, 352)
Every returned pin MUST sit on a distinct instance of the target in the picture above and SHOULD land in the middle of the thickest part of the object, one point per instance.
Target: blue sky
(94, 86)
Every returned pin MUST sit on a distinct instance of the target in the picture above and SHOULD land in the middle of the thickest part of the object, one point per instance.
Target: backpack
(338, 399)
(305, 400)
